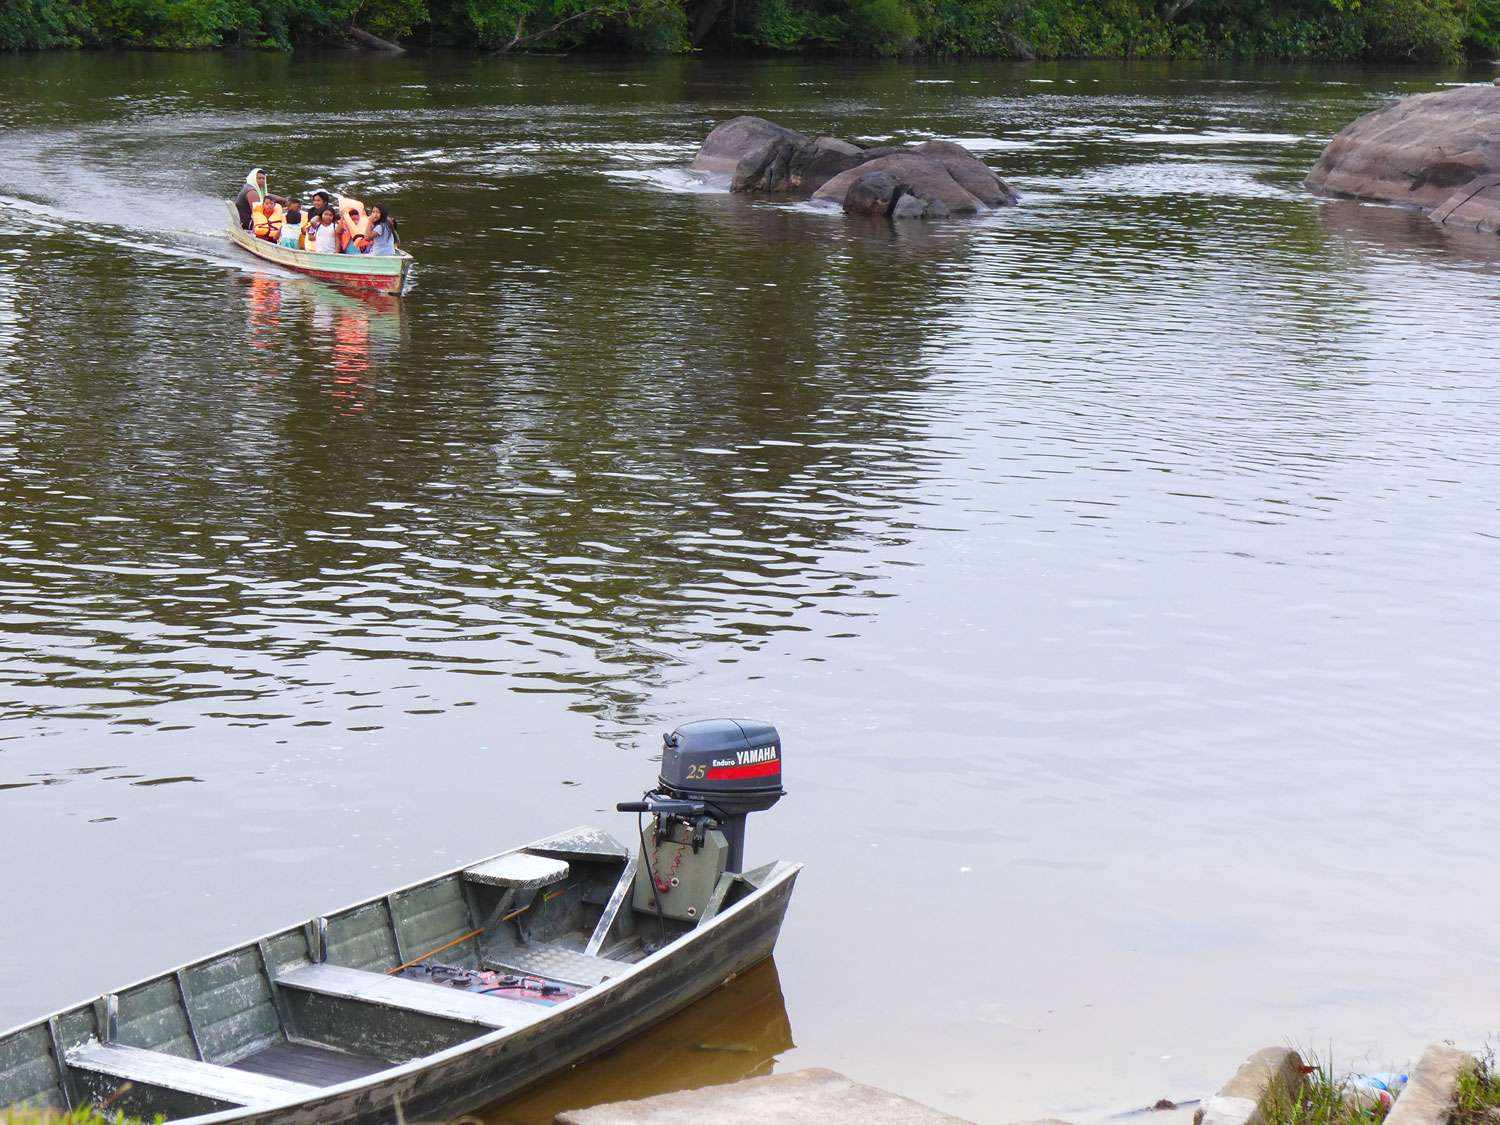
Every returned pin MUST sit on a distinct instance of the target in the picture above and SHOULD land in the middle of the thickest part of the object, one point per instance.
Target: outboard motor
(713, 774)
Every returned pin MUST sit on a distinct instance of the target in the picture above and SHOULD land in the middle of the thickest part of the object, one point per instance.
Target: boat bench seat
(403, 994)
(518, 871)
(189, 1076)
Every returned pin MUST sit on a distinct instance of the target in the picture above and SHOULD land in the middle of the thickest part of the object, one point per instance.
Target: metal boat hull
(201, 1021)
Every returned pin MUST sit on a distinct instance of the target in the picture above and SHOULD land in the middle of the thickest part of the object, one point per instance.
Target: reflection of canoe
(357, 271)
(736, 1035)
(545, 960)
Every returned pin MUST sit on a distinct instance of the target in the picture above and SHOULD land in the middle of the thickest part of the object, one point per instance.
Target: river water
(1119, 569)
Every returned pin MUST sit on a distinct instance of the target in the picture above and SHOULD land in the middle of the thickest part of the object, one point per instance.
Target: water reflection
(1401, 232)
(662, 432)
(355, 333)
(736, 1032)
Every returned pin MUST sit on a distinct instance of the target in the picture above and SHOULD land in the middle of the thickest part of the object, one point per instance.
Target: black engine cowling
(733, 764)
(714, 773)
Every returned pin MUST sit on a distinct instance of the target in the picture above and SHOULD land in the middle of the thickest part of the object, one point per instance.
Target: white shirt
(326, 239)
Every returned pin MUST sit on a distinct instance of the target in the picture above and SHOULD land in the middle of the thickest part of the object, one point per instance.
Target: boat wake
(91, 183)
(206, 245)
(676, 180)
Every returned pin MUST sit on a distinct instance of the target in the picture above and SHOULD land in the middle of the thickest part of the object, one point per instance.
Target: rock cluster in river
(1439, 152)
(926, 181)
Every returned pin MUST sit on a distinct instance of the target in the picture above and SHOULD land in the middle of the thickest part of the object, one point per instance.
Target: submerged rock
(872, 193)
(927, 181)
(915, 174)
(752, 152)
(971, 173)
(816, 163)
(1439, 152)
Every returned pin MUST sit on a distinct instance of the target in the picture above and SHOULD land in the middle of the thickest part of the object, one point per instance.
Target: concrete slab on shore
(801, 1097)
(1432, 1090)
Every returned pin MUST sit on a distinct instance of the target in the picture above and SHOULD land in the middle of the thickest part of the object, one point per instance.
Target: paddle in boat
(447, 995)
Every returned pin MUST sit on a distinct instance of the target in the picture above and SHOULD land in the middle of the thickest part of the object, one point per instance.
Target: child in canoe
(354, 226)
(323, 234)
(291, 226)
(383, 238)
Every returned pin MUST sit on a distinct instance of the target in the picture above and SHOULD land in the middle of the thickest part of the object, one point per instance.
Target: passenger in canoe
(323, 233)
(266, 219)
(291, 226)
(354, 226)
(252, 191)
(383, 240)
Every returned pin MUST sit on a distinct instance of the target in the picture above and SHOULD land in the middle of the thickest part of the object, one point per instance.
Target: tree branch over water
(518, 38)
(374, 42)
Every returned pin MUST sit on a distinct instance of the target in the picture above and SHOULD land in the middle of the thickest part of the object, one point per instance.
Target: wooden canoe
(324, 1022)
(384, 274)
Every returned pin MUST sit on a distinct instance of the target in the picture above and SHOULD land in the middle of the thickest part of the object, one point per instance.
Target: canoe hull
(478, 1070)
(486, 1073)
(383, 274)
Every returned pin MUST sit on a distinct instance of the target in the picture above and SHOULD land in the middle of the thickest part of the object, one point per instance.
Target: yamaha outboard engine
(713, 774)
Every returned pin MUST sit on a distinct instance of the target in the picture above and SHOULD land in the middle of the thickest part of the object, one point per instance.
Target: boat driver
(252, 191)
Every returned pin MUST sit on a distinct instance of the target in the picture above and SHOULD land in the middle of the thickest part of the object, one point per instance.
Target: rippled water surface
(1120, 569)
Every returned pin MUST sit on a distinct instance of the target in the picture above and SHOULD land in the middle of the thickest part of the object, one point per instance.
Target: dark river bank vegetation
(1370, 30)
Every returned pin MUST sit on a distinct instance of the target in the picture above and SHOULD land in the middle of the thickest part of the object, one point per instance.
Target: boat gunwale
(777, 872)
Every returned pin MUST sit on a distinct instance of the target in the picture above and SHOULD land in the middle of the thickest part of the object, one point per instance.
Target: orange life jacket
(267, 226)
(354, 222)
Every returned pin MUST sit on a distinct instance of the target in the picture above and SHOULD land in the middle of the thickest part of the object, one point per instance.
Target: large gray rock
(755, 154)
(973, 174)
(928, 181)
(821, 159)
(873, 193)
(917, 175)
(911, 206)
(1272, 1076)
(1439, 152)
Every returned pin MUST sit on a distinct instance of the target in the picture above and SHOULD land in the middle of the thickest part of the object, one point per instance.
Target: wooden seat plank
(189, 1076)
(412, 996)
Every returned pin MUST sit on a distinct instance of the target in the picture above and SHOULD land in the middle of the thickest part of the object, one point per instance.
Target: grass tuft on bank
(1478, 1094)
(1323, 1100)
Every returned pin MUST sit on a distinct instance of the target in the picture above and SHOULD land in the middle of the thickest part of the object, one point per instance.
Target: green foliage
(651, 26)
(1419, 30)
(85, 1116)
(787, 25)
(1094, 28)
(170, 24)
(1481, 27)
(1370, 30)
(1322, 1100)
(26, 24)
(1478, 1092)
(393, 19)
(657, 27)
(881, 27)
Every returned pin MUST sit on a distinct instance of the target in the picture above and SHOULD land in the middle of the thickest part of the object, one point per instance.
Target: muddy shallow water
(1120, 569)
